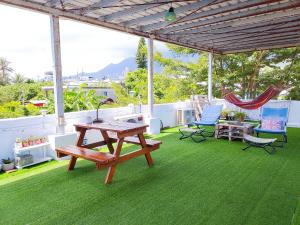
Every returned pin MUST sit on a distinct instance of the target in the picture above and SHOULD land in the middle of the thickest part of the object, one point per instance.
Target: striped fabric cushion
(272, 124)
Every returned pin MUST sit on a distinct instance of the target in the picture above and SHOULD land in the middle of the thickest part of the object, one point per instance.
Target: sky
(25, 42)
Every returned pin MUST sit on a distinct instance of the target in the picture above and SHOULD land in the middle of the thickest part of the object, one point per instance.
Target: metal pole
(210, 64)
(57, 68)
(150, 77)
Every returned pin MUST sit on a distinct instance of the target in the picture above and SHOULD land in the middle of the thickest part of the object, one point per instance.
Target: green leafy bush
(15, 109)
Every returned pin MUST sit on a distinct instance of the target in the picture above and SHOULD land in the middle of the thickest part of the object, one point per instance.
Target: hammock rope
(259, 101)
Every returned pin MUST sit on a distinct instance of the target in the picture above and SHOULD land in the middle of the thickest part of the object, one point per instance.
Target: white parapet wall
(23, 127)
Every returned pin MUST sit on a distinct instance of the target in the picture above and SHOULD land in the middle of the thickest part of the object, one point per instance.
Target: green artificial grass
(209, 183)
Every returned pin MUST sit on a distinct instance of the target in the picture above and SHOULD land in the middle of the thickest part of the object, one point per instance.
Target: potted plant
(7, 164)
(224, 114)
(240, 116)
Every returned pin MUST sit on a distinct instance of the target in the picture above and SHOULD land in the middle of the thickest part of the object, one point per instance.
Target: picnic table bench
(112, 132)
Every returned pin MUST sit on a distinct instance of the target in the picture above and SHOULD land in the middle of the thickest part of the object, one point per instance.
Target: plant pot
(241, 119)
(9, 166)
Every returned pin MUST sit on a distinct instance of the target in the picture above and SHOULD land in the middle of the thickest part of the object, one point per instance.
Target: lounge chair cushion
(207, 123)
(259, 140)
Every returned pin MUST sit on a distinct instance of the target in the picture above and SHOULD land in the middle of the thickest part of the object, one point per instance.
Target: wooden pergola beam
(95, 6)
(179, 10)
(134, 9)
(125, 12)
(232, 17)
(258, 48)
(213, 12)
(259, 40)
(235, 36)
(263, 45)
(249, 40)
(227, 28)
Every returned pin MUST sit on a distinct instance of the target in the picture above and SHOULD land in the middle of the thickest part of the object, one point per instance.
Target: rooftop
(213, 182)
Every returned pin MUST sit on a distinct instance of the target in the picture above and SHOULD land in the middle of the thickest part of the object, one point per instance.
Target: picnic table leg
(144, 144)
(108, 141)
(149, 159)
(80, 139)
(110, 174)
(79, 143)
(112, 169)
(72, 163)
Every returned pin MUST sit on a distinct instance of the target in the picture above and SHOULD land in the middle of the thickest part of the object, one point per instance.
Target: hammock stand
(259, 101)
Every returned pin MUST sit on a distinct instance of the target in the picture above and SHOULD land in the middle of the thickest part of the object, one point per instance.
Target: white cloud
(91, 48)
(25, 42)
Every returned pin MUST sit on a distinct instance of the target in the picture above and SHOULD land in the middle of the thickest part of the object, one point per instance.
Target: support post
(154, 123)
(57, 69)
(150, 77)
(209, 82)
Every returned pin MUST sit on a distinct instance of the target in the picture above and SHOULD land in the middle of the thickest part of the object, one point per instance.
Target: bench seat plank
(80, 152)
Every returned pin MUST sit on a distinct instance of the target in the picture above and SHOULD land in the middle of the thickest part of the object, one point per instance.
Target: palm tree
(19, 78)
(5, 71)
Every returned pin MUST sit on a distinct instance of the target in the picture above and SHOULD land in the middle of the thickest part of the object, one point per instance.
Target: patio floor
(210, 183)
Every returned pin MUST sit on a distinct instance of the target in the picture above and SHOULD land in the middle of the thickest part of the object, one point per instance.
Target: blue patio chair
(277, 116)
(209, 117)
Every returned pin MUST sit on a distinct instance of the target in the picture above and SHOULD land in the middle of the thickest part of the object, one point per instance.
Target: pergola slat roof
(221, 26)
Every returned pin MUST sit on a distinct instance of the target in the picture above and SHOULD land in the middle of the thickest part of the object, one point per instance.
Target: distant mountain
(117, 71)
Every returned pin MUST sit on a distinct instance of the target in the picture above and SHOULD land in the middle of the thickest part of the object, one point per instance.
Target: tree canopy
(248, 74)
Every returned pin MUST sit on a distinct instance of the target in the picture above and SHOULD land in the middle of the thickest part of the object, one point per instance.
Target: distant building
(100, 91)
(48, 76)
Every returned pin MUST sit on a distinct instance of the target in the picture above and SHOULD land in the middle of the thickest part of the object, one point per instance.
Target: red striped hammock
(259, 101)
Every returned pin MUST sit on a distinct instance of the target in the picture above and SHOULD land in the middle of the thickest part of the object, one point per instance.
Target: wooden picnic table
(111, 131)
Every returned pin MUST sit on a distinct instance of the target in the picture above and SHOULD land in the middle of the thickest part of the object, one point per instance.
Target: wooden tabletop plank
(114, 126)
